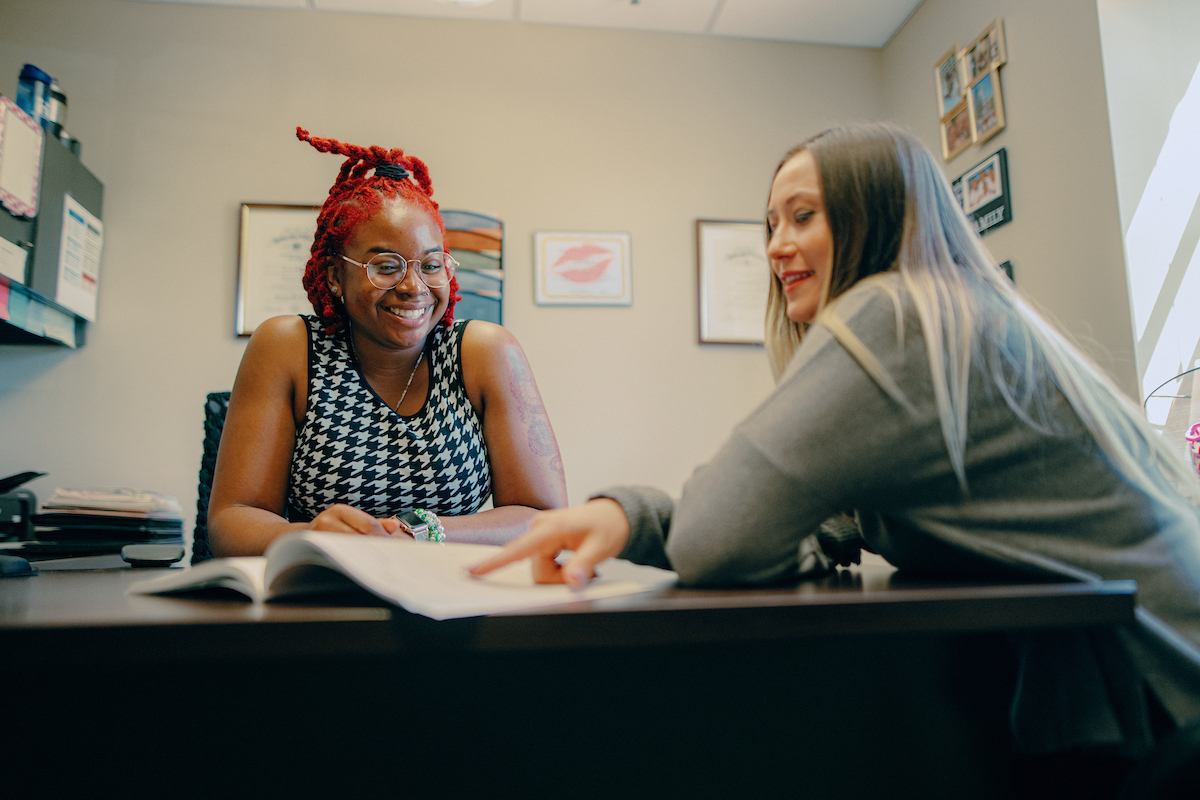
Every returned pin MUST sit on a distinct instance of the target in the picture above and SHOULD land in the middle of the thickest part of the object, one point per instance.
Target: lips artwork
(582, 268)
(583, 263)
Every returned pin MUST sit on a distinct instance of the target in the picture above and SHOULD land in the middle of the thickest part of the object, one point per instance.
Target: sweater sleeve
(649, 513)
(827, 439)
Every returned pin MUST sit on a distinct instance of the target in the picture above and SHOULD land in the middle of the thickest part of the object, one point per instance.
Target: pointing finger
(527, 544)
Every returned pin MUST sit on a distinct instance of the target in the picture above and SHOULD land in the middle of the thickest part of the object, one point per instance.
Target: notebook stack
(82, 522)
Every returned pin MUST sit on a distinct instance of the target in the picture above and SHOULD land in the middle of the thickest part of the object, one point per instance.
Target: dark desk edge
(677, 617)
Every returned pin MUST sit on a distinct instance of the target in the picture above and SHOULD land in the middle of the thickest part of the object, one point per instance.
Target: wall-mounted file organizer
(54, 299)
(27, 317)
(477, 242)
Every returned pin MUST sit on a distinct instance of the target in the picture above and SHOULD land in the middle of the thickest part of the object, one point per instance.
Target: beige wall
(186, 111)
(1065, 237)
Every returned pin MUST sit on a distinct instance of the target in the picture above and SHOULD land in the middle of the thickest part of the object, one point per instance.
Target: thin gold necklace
(411, 375)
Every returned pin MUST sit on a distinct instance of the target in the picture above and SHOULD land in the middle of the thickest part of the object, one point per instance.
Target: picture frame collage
(970, 101)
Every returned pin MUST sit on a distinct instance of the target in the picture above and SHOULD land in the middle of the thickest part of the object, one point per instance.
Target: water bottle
(33, 91)
(55, 115)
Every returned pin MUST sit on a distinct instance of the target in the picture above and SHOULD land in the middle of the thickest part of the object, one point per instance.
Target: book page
(431, 579)
(243, 575)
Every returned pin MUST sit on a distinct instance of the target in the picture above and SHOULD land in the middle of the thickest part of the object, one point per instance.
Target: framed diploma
(274, 242)
(731, 261)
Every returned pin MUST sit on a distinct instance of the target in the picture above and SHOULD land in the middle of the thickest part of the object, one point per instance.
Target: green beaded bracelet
(437, 531)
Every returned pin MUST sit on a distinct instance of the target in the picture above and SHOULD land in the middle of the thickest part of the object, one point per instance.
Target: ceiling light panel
(243, 3)
(857, 23)
(675, 16)
(497, 10)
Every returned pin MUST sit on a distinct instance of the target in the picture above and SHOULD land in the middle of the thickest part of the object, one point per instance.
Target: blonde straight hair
(890, 209)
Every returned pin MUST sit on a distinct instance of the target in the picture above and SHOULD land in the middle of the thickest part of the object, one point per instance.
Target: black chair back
(215, 407)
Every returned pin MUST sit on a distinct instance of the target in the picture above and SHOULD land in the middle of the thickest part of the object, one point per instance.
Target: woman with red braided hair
(381, 403)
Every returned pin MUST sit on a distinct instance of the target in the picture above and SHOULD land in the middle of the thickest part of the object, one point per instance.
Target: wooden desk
(860, 683)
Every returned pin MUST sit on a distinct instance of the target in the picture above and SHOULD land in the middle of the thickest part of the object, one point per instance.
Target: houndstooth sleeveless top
(353, 448)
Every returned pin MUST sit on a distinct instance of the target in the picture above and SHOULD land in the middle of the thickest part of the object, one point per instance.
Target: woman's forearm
(246, 531)
(494, 526)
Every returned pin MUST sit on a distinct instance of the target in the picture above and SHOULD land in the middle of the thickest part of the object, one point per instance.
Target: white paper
(79, 259)
(243, 574)
(12, 261)
(20, 159)
(426, 579)
(59, 326)
(431, 580)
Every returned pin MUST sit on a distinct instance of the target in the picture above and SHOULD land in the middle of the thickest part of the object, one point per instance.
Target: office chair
(215, 407)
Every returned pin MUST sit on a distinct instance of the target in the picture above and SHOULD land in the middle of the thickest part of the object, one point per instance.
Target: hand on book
(595, 530)
(341, 518)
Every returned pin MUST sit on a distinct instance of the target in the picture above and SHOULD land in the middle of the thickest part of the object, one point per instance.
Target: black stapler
(17, 507)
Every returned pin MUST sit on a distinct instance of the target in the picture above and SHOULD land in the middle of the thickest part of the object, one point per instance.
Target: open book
(426, 579)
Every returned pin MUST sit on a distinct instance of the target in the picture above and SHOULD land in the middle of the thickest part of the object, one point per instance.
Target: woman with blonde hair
(916, 386)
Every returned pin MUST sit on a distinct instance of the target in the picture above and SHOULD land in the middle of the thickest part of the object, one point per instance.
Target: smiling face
(800, 244)
(401, 317)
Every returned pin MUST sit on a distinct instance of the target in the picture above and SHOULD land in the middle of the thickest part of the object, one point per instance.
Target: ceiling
(858, 23)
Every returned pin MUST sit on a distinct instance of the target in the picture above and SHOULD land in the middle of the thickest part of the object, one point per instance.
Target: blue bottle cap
(30, 71)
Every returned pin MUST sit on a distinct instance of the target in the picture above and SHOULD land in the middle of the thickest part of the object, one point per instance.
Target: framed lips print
(589, 269)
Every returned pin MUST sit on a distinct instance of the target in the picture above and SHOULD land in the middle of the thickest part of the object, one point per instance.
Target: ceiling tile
(860, 23)
(497, 10)
(244, 3)
(677, 16)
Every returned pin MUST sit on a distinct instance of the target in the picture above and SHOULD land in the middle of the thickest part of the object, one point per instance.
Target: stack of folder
(78, 522)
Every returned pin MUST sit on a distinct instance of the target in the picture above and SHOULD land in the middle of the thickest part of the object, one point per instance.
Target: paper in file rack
(79, 259)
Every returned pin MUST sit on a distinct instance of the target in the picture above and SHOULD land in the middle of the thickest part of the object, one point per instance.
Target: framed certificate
(731, 261)
(274, 243)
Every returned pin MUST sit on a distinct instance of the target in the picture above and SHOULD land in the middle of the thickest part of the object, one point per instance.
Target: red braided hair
(353, 199)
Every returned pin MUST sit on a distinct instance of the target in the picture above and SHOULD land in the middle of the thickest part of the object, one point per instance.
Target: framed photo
(588, 269)
(986, 53)
(274, 243)
(20, 160)
(987, 107)
(731, 260)
(956, 132)
(983, 192)
(948, 76)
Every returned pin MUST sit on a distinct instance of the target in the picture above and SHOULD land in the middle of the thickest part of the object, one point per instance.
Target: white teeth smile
(408, 313)
(796, 276)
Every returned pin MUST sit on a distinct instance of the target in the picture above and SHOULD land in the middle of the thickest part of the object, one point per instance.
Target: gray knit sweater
(1039, 503)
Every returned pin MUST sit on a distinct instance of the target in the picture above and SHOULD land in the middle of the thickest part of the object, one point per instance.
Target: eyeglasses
(387, 270)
